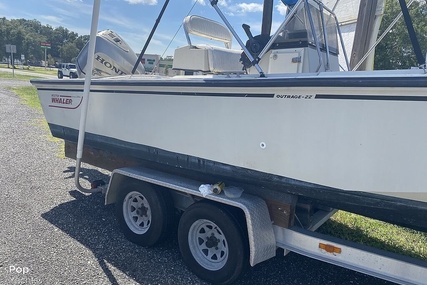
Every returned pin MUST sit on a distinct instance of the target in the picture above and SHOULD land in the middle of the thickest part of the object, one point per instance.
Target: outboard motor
(113, 57)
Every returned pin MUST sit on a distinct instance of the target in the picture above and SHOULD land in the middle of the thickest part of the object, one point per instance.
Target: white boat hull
(308, 134)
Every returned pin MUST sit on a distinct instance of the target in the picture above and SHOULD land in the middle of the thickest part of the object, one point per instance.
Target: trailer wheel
(144, 213)
(212, 243)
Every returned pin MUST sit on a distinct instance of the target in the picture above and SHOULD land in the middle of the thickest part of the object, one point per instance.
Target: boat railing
(307, 5)
(214, 4)
(323, 8)
(315, 36)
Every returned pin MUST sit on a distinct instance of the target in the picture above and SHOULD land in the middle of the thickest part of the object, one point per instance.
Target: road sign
(45, 45)
(11, 48)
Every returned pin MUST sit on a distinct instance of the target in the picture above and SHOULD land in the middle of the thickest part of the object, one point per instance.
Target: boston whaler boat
(278, 120)
(289, 120)
(281, 115)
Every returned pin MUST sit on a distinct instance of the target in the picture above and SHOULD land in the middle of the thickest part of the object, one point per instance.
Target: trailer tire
(144, 213)
(212, 243)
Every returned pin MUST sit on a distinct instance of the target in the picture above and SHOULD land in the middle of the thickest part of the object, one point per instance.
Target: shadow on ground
(87, 174)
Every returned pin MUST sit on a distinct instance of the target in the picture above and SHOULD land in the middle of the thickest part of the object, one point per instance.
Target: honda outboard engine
(113, 57)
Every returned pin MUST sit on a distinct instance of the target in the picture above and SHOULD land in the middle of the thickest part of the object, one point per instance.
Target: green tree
(395, 51)
(28, 34)
(68, 52)
(31, 46)
(81, 41)
(57, 38)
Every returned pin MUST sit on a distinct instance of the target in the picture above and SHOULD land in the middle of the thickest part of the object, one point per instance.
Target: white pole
(86, 93)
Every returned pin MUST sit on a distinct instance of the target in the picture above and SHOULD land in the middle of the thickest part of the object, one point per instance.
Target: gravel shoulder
(57, 235)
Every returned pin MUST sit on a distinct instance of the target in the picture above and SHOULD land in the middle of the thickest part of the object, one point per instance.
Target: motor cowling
(113, 57)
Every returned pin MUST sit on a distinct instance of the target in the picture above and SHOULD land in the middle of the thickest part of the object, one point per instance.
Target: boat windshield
(298, 32)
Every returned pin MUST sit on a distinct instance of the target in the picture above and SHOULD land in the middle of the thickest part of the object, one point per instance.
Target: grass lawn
(377, 234)
(37, 69)
(28, 95)
(9, 75)
(343, 225)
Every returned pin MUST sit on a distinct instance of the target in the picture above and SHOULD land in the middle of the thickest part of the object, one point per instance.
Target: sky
(134, 19)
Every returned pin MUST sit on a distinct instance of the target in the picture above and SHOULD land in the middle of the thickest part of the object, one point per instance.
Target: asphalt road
(52, 234)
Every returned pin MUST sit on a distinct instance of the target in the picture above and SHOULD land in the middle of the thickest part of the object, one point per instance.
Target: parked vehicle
(67, 70)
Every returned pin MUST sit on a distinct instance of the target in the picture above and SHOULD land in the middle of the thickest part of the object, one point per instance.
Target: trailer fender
(262, 242)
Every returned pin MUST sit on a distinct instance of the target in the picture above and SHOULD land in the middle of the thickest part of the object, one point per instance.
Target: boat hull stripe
(371, 97)
(200, 94)
(256, 95)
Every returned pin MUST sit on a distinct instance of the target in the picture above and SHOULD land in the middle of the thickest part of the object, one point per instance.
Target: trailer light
(330, 248)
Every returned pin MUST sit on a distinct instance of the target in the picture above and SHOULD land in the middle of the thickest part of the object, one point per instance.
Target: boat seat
(205, 57)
